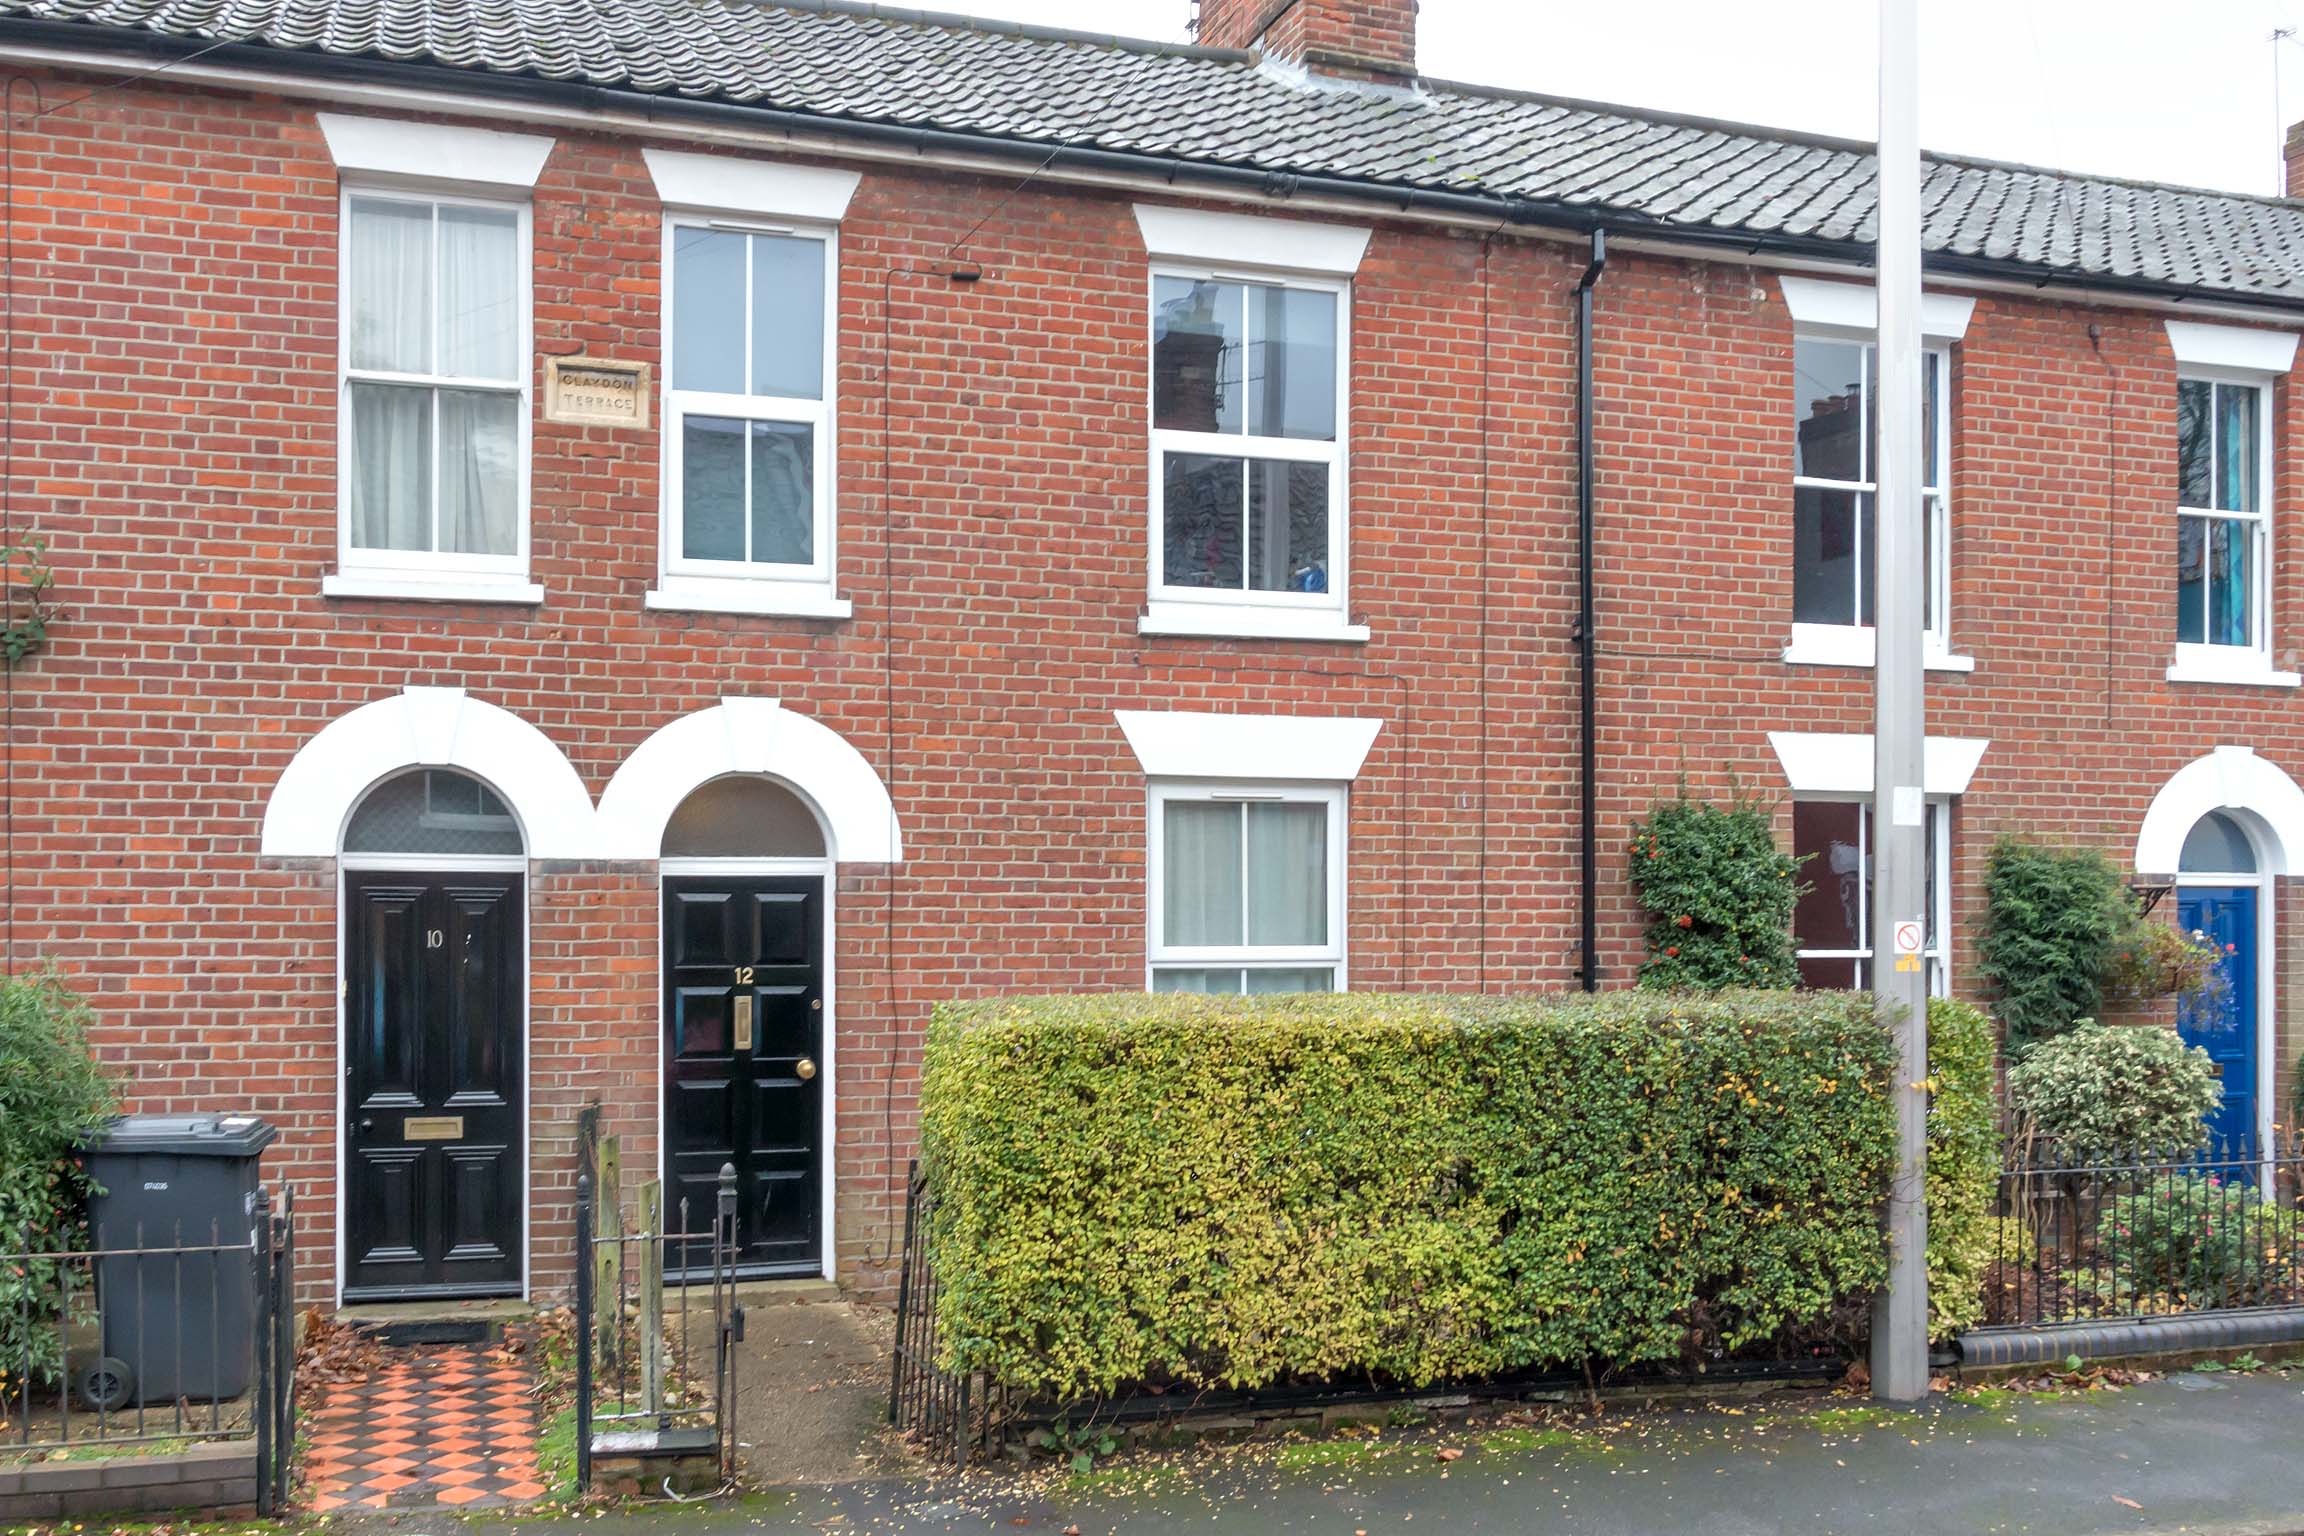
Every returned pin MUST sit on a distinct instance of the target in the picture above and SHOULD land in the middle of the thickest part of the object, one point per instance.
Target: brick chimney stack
(2295, 148)
(1352, 39)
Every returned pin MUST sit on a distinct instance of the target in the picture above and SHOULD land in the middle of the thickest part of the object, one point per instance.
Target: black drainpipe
(1586, 621)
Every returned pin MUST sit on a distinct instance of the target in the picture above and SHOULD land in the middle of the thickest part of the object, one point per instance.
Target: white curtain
(712, 488)
(1288, 874)
(395, 261)
(391, 282)
(1200, 873)
(479, 472)
(1226, 981)
(391, 467)
(1301, 979)
(479, 294)
(783, 494)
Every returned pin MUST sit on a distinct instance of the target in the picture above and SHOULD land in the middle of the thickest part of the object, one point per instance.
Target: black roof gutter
(1535, 212)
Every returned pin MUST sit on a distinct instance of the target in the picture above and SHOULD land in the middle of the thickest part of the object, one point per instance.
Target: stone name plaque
(592, 392)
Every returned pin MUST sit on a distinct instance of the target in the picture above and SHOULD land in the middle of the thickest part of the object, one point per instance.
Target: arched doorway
(748, 1038)
(2222, 894)
(433, 1171)
(2226, 826)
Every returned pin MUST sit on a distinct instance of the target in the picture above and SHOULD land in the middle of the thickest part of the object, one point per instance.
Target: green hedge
(2053, 919)
(1244, 1191)
(53, 1099)
(1963, 1165)
(1719, 895)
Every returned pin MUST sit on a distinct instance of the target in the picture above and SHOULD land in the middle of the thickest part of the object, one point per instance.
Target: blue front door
(2225, 1026)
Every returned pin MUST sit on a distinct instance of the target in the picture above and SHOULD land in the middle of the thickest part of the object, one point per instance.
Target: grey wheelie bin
(176, 1287)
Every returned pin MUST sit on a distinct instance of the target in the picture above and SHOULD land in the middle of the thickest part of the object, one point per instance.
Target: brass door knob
(806, 1069)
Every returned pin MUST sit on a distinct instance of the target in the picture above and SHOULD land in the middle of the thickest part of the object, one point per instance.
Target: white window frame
(1283, 615)
(725, 586)
(432, 573)
(1938, 955)
(1159, 955)
(2205, 661)
(1855, 645)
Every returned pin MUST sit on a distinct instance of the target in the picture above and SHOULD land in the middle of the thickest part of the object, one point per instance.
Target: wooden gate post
(607, 1258)
(651, 1289)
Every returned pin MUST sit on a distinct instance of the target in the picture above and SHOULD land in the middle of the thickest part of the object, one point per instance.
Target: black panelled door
(432, 1057)
(743, 1051)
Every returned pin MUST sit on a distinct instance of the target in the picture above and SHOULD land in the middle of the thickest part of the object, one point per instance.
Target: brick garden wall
(176, 387)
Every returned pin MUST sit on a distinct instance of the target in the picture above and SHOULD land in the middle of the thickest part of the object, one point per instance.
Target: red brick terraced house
(615, 554)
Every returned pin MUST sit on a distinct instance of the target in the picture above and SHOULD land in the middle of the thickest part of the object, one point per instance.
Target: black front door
(433, 1162)
(743, 1051)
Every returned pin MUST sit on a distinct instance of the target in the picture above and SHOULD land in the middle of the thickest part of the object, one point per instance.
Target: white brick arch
(2227, 779)
(750, 736)
(427, 728)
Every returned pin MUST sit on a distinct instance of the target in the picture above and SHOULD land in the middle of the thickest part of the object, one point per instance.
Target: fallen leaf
(1448, 1453)
(2131, 1503)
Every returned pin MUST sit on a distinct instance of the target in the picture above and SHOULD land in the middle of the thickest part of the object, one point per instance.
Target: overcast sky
(2178, 92)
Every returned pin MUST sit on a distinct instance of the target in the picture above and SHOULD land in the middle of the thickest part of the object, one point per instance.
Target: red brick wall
(176, 381)
(2063, 481)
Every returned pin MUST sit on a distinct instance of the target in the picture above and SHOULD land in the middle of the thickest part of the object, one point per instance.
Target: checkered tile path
(450, 1426)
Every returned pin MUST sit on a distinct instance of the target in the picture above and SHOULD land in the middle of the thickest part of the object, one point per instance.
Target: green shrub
(1719, 896)
(1963, 1164)
(2096, 1093)
(2051, 920)
(1242, 1191)
(2197, 1241)
(52, 1098)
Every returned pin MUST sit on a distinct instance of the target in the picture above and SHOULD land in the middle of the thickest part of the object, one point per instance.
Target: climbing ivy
(24, 623)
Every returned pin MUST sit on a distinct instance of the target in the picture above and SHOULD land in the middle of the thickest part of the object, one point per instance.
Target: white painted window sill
(432, 589)
(754, 599)
(1223, 621)
(1828, 645)
(2238, 667)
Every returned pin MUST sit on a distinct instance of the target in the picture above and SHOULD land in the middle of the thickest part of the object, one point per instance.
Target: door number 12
(743, 975)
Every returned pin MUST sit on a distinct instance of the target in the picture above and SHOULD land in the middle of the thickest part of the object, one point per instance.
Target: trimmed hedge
(1243, 1191)
(1963, 1165)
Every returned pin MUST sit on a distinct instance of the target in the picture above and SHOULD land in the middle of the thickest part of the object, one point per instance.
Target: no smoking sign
(1910, 936)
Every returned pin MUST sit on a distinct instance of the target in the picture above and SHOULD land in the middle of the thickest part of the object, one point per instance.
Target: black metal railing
(950, 1414)
(656, 1326)
(2146, 1234)
(141, 1341)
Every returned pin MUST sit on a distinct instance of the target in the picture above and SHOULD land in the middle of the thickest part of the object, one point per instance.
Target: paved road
(2197, 1454)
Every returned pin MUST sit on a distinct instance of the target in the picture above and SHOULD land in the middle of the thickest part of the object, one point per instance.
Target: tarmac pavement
(2206, 1455)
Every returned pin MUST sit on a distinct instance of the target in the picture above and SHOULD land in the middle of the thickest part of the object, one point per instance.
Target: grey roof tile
(840, 60)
